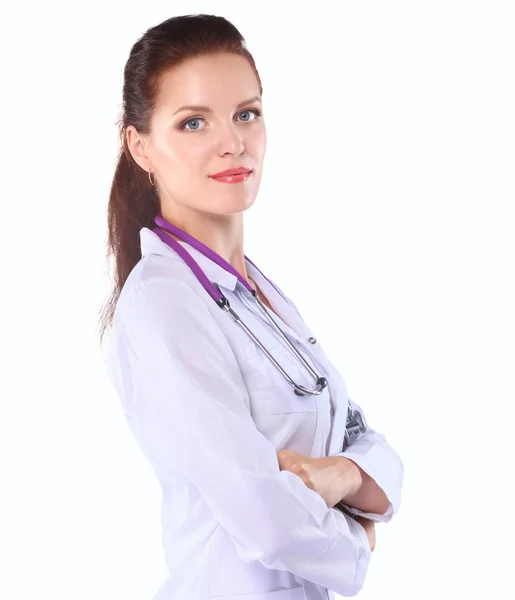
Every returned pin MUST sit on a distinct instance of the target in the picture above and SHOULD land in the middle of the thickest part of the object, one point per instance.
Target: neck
(222, 234)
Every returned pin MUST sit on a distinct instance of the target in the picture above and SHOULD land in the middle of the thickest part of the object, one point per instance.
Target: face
(186, 146)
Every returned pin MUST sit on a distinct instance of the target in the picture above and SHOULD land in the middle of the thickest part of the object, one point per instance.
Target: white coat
(210, 411)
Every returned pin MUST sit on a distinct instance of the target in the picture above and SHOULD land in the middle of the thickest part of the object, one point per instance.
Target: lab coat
(210, 412)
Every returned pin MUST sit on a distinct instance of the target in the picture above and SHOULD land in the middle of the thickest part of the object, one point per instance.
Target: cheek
(191, 155)
(180, 150)
(165, 152)
(259, 143)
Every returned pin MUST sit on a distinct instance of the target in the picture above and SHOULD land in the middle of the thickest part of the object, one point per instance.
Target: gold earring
(152, 183)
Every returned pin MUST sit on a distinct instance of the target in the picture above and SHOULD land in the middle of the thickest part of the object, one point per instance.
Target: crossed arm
(369, 497)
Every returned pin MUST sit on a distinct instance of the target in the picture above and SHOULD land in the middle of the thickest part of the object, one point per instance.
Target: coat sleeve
(184, 394)
(372, 453)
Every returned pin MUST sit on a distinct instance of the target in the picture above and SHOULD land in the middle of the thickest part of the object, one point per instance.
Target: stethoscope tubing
(215, 293)
(299, 389)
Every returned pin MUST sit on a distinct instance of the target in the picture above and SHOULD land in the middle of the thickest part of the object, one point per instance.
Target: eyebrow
(208, 110)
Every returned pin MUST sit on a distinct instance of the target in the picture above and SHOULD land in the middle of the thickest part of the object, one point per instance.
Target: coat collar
(151, 243)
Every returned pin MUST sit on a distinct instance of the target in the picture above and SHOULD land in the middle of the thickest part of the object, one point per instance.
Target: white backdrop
(389, 174)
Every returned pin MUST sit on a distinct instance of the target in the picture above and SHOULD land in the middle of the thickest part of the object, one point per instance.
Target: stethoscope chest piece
(354, 427)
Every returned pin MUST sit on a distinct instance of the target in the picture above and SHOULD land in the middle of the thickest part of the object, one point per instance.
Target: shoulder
(163, 300)
(157, 279)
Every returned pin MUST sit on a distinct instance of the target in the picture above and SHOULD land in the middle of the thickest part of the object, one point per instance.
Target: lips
(231, 172)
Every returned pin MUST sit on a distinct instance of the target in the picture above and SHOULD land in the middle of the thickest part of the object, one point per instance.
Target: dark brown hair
(133, 202)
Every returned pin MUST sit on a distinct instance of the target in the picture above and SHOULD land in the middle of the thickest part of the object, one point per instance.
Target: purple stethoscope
(214, 291)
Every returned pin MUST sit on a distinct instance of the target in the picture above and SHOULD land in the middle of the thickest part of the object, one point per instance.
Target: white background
(386, 198)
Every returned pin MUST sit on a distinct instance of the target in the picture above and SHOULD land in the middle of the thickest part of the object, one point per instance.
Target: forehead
(216, 80)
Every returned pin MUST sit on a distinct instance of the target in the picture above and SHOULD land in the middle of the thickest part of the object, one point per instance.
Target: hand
(331, 477)
(370, 528)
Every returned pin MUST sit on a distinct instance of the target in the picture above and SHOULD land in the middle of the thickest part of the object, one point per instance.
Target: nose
(231, 141)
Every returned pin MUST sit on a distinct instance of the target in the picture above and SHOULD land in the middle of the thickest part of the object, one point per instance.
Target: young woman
(271, 478)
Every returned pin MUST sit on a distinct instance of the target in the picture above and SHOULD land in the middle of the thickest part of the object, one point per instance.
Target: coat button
(312, 340)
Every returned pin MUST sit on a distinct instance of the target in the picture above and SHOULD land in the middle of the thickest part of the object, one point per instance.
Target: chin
(235, 206)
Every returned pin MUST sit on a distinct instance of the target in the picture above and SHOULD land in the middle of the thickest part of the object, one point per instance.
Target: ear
(137, 147)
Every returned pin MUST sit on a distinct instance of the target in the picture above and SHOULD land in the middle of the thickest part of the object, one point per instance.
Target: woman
(266, 493)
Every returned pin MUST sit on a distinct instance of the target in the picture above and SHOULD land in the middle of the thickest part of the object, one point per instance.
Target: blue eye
(256, 112)
(183, 126)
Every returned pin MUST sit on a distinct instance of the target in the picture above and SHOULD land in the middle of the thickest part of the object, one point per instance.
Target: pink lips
(232, 175)
(229, 172)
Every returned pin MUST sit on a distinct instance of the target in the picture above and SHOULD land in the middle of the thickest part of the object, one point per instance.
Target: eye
(256, 112)
(194, 120)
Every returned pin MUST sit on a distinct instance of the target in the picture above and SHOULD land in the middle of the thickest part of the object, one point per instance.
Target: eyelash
(254, 110)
